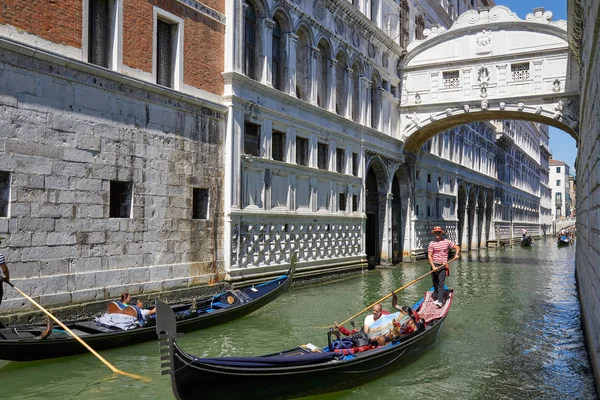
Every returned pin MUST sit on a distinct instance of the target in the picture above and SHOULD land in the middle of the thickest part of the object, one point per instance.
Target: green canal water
(513, 333)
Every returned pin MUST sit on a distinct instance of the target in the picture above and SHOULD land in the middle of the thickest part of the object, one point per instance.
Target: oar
(395, 291)
(84, 344)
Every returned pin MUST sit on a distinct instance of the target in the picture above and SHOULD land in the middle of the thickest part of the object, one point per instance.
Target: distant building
(572, 194)
(561, 195)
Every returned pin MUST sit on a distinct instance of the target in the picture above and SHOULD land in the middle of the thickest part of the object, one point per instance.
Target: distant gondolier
(437, 254)
(5, 275)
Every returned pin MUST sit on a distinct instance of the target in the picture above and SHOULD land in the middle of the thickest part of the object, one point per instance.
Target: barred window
(164, 53)
(99, 32)
(4, 193)
(451, 79)
(301, 151)
(520, 71)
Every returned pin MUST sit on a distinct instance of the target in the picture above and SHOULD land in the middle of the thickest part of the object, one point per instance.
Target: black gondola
(563, 242)
(301, 371)
(526, 241)
(19, 343)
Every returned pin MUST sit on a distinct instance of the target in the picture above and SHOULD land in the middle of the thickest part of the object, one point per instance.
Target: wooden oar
(395, 291)
(84, 344)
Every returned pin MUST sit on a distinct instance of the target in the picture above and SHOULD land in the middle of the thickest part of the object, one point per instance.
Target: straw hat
(438, 229)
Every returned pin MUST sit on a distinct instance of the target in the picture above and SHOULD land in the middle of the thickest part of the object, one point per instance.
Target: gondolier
(437, 254)
(5, 275)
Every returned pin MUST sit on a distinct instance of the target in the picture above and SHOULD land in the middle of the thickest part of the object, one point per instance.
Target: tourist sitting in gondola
(369, 320)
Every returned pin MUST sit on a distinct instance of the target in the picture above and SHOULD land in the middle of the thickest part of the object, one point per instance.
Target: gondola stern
(166, 329)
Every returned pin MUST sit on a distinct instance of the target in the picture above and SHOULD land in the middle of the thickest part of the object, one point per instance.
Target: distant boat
(20, 343)
(305, 370)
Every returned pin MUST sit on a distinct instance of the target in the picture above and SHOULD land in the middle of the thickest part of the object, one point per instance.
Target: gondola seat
(116, 307)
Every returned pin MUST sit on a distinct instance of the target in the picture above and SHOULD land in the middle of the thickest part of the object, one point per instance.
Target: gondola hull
(526, 242)
(563, 243)
(18, 343)
(188, 373)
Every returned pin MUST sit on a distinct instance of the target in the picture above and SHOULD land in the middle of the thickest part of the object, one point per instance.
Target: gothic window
(249, 61)
(520, 71)
(278, 62)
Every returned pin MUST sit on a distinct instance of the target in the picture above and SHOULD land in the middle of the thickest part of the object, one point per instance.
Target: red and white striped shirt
(439, 250)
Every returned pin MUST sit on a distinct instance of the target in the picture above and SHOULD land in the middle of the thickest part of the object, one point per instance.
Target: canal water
(513, 333)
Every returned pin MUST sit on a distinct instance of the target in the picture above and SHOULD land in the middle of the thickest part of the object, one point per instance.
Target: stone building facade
(561, 190)
(584, 17)
(111, 143)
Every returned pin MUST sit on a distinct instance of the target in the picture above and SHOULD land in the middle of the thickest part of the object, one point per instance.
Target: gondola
(302, 371)
(20, 343)
(563, 242)
(526, 242)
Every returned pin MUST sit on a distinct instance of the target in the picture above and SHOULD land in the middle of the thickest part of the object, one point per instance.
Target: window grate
(520, 71)
(451, 79)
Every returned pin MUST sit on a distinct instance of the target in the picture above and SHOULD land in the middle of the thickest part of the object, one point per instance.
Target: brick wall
(588, 184)
(56, 21)
(61, 23)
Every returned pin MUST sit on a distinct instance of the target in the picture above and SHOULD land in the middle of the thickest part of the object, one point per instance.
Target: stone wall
(588, 177)
(68, 130)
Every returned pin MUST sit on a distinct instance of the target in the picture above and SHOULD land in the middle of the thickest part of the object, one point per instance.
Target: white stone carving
(556, 85)
(466, 108)
(484, 104)
(558, 110)
(417, 98)
(415, 119)
(502, 105)
(538, 110)
(432, 117)
(449, 112)
(520, 106)
(484, 42)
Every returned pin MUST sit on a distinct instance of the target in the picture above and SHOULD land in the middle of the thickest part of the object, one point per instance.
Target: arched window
(278, 65)
(374, 11)
(249, 66)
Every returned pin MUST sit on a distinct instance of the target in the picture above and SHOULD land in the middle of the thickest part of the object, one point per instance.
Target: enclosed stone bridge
(490, 65)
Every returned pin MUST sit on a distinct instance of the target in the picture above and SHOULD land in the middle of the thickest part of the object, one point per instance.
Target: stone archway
(375, 208)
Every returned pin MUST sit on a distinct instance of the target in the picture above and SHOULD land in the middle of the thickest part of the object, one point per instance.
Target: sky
(562, 145)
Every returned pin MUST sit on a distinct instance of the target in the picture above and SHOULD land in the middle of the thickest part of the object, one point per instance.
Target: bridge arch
(489, 65)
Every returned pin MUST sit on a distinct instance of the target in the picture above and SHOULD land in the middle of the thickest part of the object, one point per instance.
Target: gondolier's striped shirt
(439, 250)
(2, 260)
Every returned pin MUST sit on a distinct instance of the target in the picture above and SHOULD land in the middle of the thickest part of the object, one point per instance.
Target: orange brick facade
(61, 23)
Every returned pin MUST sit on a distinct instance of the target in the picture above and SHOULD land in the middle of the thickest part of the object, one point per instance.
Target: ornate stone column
(349, 89)
(314, 55)
(267, 56)
(332, 84)
(290, 69)
(364, 105)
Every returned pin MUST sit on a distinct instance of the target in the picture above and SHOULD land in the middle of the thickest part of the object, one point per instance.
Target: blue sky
(562, 145)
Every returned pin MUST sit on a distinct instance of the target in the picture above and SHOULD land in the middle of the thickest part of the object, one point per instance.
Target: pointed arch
(375, 100)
